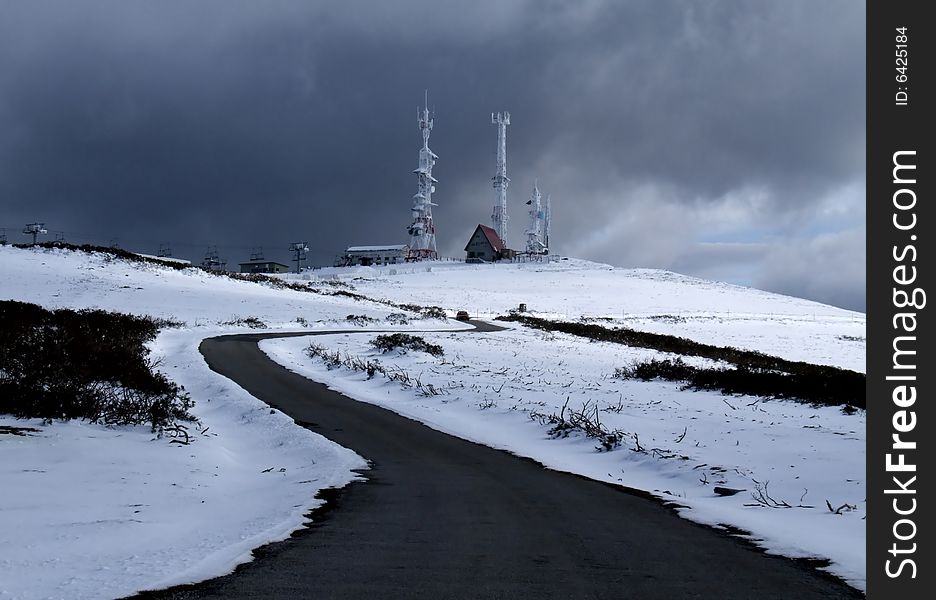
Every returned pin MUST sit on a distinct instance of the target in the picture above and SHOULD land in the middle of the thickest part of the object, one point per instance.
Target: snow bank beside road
(96, 512)
(497, 388)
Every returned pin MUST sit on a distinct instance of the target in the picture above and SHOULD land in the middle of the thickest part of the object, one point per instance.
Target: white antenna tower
(547, 222)
(500, 179)
(535, 234)
(422, 230)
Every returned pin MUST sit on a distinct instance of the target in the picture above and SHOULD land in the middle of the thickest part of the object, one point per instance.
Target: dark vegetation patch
(404, 341)
(360, 320)
(422, 312)
(308, 287)
(851, 338)
(755, 373)
(87, 364)
(10, 430)
(808, 386)
(252, 322)
(670, 370)
(393, 319)
(425, 312)
(667, 318)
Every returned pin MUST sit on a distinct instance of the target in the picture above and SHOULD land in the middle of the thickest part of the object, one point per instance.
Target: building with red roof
(485, 245)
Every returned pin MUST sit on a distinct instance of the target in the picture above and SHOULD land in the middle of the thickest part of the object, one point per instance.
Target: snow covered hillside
(95, 512)
(78, 485)
(644, 299)
(501, 388)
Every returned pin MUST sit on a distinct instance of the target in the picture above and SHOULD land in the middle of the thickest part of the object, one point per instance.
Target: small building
(374, 255)
(263, 266)
(485, 245)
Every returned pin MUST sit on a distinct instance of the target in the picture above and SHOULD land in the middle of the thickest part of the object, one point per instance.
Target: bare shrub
(360, 320)
(404, 341)
(252, 322)
(397, 319)
(334, 359)
(87, 364)
(585, 421)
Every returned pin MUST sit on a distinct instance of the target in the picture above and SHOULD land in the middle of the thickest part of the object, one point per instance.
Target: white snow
(95, 512)
(493, 382)
(645, 299)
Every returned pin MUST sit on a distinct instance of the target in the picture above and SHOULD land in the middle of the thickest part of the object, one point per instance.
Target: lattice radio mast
(500, 179)
(422, 230)
(535, 243)
(547, 225)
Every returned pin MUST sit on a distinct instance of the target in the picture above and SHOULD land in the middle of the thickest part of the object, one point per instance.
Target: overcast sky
(719, 139)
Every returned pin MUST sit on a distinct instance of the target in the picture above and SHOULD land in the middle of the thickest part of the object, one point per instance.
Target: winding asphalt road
(440, 518)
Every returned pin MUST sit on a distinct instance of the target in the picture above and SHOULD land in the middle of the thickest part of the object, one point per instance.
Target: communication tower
(536, 234)
(422, 230)
(500, 179)
(547, 218)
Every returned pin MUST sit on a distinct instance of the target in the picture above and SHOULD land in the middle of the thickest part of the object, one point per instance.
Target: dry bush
(404, 341)
(755, 373)
(87, 364)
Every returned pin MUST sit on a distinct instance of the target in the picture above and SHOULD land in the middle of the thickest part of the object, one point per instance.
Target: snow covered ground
(498, 387)
(78, 513)
(95, 512)
(644, 299)
(98, 512)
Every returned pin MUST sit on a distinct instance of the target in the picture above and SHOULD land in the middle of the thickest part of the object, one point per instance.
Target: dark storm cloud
(660, 128)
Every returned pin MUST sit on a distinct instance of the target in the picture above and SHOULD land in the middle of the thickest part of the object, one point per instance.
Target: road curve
(443, 518)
